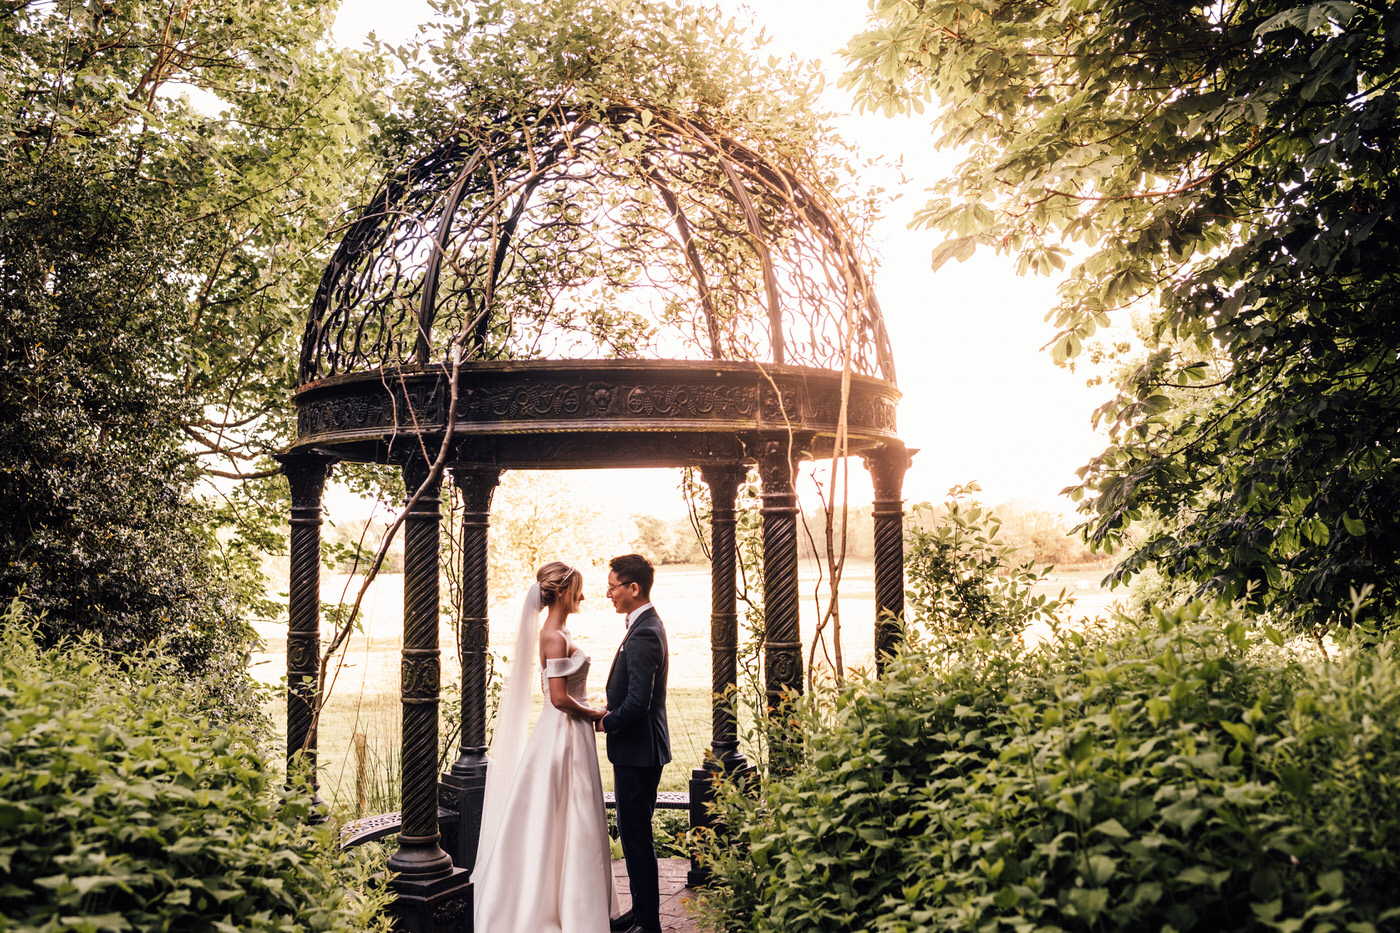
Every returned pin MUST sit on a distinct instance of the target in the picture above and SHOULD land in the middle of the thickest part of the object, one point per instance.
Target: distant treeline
(1041, 536)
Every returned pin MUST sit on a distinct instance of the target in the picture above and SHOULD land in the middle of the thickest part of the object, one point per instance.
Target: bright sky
(982, 401)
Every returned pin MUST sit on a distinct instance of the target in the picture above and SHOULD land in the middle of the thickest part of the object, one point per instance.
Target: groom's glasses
(617, 586)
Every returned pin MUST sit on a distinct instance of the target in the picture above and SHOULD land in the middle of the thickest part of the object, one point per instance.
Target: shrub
(963, 577)
(1176, 774)
(123, 806)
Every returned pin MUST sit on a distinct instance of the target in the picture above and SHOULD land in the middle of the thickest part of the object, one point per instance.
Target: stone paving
(674, 894)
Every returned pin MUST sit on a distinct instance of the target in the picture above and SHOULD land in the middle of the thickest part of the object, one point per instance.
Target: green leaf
(1113, 828)
(1296, 781)
(1331, 883)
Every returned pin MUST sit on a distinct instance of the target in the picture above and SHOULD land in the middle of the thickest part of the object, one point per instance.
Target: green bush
(963, 577)
(1172, 775)
(123, 806)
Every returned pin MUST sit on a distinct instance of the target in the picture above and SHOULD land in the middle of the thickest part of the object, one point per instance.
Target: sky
(982, 401)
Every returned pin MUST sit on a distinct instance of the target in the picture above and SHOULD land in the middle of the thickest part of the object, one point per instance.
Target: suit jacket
(637, 733)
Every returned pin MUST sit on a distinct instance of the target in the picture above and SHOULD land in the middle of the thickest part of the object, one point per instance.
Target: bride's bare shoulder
(554, 643)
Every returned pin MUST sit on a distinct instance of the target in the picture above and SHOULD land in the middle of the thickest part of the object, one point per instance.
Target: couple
(544, 862)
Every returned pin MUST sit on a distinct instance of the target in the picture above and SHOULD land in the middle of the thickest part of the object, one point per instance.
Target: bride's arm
(553, 645)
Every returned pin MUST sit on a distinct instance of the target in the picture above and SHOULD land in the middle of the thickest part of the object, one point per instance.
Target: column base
(443, 905)
(464, 793)
(702, 792)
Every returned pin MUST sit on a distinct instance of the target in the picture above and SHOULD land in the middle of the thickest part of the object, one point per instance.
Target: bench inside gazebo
(490, 311)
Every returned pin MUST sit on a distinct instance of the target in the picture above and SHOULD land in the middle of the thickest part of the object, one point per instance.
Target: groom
(639, 742)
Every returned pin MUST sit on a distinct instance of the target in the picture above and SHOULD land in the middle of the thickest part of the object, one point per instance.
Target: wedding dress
(549, 867)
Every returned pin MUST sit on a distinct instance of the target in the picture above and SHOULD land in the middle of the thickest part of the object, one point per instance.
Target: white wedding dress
(549, 868)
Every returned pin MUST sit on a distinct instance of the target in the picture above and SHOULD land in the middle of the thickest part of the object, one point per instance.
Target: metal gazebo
(555, 299)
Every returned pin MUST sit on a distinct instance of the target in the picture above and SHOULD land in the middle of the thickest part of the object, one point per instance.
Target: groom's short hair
(634, 568)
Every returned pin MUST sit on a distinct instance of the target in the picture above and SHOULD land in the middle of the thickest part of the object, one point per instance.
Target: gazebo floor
(675, 896)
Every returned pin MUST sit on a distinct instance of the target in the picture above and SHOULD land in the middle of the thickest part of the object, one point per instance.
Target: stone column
(887, 464)
(306, 473)
(778, 458)
(466, 779)
(432, 894)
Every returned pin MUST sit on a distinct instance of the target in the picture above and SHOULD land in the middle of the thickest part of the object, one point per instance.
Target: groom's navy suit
(639, 745)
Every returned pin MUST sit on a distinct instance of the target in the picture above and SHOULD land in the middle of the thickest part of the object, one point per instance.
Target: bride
(544, 861)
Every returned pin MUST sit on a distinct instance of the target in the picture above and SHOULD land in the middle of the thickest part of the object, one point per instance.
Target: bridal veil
(512, 728)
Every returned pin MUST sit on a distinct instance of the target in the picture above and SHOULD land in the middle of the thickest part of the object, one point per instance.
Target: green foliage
(516, 60)
(256, 171)
(157, 258)
(667, 542)
(1180, 773)
(670, 830)
(126, 807)
(1231, 172)
(97, 526)
(962, 578)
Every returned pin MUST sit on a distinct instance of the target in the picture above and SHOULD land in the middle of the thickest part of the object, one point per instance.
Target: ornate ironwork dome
(602, 284)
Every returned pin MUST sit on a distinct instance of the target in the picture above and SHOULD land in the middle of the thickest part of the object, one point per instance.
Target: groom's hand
(598, 726)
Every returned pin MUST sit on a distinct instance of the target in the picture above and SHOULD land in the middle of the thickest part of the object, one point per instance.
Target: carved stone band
(524, 413)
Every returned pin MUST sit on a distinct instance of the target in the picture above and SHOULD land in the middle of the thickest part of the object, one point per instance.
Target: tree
(95, 513)
(534, 519)
(964, 577)
(156, 260)
(1231, 170)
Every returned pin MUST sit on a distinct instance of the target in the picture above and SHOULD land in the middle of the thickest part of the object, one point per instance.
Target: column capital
(724, 480)
(306, 472)
(415, 471)
(777, 458)
(477, 486)
(887, 463)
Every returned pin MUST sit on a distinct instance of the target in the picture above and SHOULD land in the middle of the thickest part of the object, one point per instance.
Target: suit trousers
(635, 792)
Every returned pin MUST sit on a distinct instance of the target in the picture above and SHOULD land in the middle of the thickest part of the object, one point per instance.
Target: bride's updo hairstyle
(559, 581)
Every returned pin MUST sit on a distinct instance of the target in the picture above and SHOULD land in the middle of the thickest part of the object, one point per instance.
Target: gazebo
(611, 286)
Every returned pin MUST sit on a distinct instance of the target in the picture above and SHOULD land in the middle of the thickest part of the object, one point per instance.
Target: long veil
(512, 724)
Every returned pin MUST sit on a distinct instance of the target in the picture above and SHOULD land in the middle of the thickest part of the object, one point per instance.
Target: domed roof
(616, 233)
(599, 284)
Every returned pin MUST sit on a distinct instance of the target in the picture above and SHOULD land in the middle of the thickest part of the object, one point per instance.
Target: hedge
(123, 806)
(1178, 773)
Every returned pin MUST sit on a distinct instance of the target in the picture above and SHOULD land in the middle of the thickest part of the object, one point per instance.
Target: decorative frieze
(591, 397)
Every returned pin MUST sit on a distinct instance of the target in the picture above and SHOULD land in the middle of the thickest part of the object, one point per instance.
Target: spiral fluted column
(887, 464)
(782, 638)
(466, 779)
(725, 760)
(724, 617)
(306, 474)
(419, 855)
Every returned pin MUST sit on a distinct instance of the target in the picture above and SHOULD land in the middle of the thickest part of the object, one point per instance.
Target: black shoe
(637, 929)
(622, 923)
